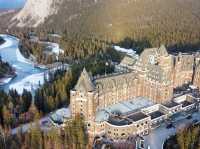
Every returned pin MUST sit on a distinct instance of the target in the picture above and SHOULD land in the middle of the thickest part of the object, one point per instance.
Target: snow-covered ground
(45, 123)
(129, 52)
(157, 137)
(26, 127)
(55, 48)
(30, 83)
(5, 80)
(28, 77)
(21, 58)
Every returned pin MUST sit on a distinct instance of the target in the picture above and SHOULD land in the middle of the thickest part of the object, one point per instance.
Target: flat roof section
(123, 107)
(137, 103)
(186, 103)
(156, 114)
(118, 121)
(170, 104)
(137, 116)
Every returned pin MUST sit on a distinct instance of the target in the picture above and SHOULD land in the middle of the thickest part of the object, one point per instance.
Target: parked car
(189, 117)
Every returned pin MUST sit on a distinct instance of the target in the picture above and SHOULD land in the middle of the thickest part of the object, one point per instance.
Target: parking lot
(157, 137)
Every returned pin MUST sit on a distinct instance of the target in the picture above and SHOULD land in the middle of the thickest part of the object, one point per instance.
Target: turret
(82, 97)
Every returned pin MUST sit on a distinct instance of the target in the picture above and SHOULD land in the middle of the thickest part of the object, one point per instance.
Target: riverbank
(2, 41)
(23, 67)
(28, 75)
(6, 80)
(7, 72)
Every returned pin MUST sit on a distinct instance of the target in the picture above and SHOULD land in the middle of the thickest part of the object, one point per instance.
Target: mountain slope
(35, 12)
(158, 22)
(121, 18)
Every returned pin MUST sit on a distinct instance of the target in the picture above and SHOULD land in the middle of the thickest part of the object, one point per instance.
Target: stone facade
(154, 74)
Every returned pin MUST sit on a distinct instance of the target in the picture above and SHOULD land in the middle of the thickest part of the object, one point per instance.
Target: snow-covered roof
(60, 115)
(125, 107)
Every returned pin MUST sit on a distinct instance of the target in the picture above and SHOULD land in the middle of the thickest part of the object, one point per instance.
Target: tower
(82, 97)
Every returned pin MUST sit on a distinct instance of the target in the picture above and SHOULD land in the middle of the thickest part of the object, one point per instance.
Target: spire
(162, 50)
(84, 83)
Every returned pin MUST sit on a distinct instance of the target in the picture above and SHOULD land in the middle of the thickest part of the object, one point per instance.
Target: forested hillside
(175, 23)
(72, 136)
(188, 138)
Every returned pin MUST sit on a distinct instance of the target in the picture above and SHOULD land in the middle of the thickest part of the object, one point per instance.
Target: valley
(100, 73)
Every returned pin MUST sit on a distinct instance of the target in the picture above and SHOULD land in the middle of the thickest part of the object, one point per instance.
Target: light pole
(106, 64)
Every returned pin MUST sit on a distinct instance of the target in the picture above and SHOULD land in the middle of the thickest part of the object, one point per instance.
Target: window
(142, 144)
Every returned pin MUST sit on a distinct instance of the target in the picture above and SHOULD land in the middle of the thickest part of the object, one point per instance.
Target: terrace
(137, 116)
(186, 103)
(118, 121)
(123, 108)
(156, 114)
(171, 104)
(127, 120)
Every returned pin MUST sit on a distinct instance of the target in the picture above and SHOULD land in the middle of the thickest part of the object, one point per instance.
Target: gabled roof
(128, 61)
(162, 51)
(156, 52)
(84, 83)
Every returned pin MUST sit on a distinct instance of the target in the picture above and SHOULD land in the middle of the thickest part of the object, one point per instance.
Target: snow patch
(21, 58)
(55, 48)
(130, 52)
(64, 112)
(29, 83)
(4, 81)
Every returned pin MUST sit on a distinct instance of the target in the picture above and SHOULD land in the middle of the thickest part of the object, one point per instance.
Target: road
(157, 137)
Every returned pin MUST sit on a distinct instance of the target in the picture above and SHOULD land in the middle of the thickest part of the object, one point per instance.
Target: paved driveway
(158, 136)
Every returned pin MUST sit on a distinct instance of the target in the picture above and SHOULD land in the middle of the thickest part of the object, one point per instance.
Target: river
(28, 77)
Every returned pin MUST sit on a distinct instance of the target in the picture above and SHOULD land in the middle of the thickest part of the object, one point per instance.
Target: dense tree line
(71, 136)
(173, 23)
(5, 69)
(14, 108)
(36, 51)
(81, 47)
(188, 138)
(55, 93)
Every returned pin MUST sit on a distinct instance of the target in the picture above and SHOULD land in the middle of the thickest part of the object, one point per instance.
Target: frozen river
(28, 77)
